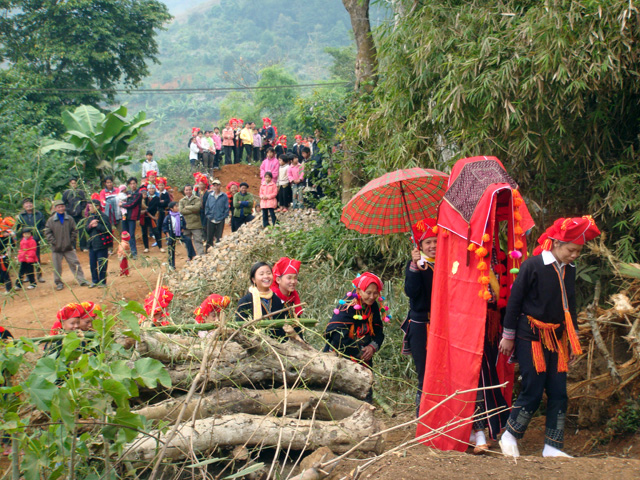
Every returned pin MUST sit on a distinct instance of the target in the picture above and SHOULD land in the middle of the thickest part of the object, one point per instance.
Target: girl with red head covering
(417, 286)
(355, 329)
(540, 329)
(285, 281)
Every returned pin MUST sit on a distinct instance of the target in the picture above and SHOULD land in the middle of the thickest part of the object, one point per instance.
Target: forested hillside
(226, 44)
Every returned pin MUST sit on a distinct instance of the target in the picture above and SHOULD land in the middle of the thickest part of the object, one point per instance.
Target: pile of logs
(246, 389)
(611, 366)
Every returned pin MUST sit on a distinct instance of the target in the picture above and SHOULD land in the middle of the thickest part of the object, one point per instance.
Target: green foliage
(177, 169)
(79, 46)
(549, 88)
(78, 383)
(626, 421)
(273, 101)
(101, 140)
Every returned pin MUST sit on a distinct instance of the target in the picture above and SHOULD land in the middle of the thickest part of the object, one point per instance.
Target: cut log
(203, 436)
(248, 361)
(330, 406)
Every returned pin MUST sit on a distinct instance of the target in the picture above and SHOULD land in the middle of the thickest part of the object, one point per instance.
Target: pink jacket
(296, 172)
(227, 137)
(27, 253)
(217, 141)
(270, 165)
(268, 194)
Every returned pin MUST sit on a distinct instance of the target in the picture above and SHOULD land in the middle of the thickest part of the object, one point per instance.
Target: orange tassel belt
(549, 340)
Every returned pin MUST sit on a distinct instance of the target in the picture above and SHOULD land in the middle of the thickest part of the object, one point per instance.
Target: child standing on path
(284, 188)
(173, 226)
(268, 202)
(270, 164)
(539, 326)
(124, 250)
(28, 257)
(295, 172)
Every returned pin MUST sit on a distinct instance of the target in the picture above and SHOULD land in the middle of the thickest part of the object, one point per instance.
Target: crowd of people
(106, 222)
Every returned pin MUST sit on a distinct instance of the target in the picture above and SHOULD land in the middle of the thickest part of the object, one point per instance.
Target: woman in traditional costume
(540, 326)
(417, 286)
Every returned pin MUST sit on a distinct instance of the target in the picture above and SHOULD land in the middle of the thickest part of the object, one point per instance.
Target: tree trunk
(366, 78)
(366, 58)
(203, 436)
(330, 406)
(248, 361)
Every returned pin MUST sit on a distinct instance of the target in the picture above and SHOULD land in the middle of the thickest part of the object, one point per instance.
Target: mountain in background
(225, 43)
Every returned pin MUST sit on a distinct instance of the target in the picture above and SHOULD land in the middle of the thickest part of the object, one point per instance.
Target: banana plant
(100, 140)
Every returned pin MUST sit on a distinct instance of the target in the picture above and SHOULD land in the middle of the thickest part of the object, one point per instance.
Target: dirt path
(32, 312)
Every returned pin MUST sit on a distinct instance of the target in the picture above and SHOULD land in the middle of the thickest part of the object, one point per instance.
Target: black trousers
(171, 251)
(534, 384)
(237, 222)
(147, 230)
(216, 159)
(227, 154)
(161, 216)
(285, 196)
(213, 232)
(98, 260)
(4, 274)
(256, 154)
(207, 159)
(265, 216)
(248, 152)
(28, 270)
(416, 339)
(237, 153)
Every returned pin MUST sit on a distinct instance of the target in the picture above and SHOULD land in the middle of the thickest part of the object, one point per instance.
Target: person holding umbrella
(417, 286)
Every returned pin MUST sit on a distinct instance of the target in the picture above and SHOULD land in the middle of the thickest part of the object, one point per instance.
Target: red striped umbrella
(395, 201)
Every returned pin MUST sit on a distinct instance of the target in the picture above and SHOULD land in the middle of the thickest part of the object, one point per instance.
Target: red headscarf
(125, 236)
(163, 298)
(282, 140)
(152, 173)
(286, 266)
(74, 310)
(298, 137)
(578, 230)
(201, 178)
(194, 131)
(232, 183)
(366, 279)
(162, 180)
(426, 228)
(266, 121)
(213, 303)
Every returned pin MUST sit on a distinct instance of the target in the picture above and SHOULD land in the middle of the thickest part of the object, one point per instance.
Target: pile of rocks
(232, 256)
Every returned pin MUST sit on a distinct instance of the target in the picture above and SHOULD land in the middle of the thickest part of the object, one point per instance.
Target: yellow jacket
(246, 135)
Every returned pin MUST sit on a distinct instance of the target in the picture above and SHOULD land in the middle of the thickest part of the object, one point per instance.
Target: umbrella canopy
(395, 201)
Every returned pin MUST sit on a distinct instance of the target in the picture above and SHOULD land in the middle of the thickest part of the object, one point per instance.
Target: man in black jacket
(75, 200)
(98, 229)
(34, 219)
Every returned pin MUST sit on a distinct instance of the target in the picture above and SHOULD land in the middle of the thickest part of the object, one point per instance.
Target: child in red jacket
(27, 257)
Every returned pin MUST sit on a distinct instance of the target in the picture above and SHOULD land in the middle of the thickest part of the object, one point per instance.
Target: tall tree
(78, 44)
(366, 79)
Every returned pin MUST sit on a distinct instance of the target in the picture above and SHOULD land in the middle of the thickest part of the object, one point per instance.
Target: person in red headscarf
(355, 329)
(540, 329)
(417, 286)
(268, 133)
(281, 146)
(285, 282)
(297, 147)
(124, 250)
(156, 307)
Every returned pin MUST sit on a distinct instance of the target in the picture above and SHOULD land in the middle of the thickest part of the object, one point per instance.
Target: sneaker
(41, 280)
(155, 244)
(93, 285)
(85, 250)
(59, 286)
(146, 250)
(162, 250)
(84, 284)
(31, 287)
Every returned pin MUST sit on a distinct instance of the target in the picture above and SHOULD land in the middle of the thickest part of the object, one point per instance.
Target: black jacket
(417, 286)
(348, 335)
(75, 201)
(536, 292)
(34, 220)
(100, 237)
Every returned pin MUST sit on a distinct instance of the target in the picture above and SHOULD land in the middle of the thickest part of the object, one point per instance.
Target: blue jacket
(217, 209)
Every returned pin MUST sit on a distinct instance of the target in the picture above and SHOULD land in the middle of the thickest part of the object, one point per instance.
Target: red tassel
(538, 357)
(571, 333)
